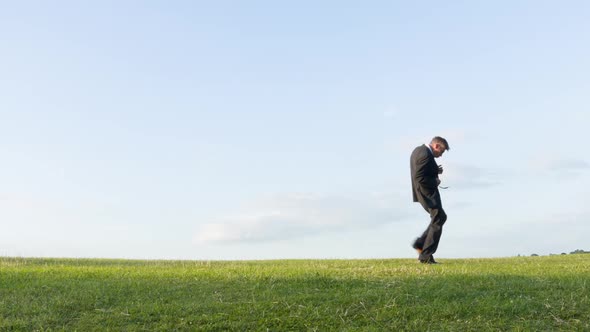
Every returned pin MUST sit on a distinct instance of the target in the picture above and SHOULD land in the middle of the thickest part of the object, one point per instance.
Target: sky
(231, 130)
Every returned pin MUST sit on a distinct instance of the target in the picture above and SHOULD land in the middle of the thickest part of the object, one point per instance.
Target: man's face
(438, 150)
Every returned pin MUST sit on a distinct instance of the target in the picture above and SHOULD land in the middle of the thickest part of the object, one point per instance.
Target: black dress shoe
(430, 260)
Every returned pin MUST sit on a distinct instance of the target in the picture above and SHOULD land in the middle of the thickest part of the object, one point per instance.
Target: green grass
(508, 294)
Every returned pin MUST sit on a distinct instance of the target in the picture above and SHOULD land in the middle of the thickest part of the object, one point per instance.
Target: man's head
(439, 145)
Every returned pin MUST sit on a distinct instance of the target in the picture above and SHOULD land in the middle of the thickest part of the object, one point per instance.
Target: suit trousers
(431, 236)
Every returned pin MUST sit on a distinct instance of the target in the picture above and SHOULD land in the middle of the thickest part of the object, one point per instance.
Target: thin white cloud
(390, 113)
(455, 137)
(462, 176)
(555, 233)
(291, 216)
(560, 166)
(569, 165)
(459, 136)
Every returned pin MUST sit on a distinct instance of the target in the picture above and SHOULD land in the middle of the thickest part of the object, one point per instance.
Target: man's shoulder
(420, 149)
(421, 154)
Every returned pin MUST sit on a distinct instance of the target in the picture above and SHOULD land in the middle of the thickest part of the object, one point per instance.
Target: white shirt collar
(429, 148)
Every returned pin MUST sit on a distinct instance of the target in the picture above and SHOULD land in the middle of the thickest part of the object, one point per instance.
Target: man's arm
(422, 177)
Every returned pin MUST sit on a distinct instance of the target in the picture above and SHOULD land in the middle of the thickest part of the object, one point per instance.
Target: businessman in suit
(425, 181)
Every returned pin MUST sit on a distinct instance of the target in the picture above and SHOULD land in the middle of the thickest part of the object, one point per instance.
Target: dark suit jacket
(424, 170)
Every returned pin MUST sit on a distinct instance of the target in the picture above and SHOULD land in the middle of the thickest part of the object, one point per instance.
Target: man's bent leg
(433, 233)
(419, 242)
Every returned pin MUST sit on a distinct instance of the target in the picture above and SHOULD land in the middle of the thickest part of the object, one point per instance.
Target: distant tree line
(577, 251)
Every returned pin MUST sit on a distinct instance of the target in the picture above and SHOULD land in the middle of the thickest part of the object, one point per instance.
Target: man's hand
(440, 169)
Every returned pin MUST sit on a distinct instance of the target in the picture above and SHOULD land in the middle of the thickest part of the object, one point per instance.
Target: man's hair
(441, 141)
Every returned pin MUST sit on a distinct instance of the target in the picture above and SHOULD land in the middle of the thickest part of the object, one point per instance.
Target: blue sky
(264, 129)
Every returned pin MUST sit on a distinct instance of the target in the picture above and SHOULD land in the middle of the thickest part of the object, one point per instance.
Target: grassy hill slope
(518, 294)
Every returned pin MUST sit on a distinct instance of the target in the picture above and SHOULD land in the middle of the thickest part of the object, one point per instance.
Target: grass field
(508, 294)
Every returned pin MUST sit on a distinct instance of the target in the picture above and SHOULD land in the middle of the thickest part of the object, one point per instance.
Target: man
(425, 183)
